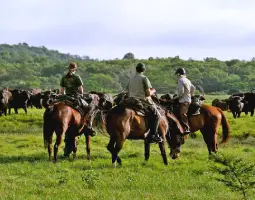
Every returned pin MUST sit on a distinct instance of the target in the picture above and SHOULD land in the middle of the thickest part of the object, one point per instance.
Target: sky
(108, 29)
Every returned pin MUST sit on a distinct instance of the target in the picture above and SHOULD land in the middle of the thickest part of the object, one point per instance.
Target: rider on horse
(72, 86)
(185, 90)
(140, 87)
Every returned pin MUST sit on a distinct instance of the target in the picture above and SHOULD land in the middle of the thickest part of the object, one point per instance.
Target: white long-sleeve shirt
(185, 89)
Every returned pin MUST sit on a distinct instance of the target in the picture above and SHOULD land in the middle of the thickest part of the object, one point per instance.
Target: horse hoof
(114, 165)
(119, 161)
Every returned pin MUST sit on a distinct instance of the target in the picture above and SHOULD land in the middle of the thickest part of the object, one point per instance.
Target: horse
(208, 122)
(123, 123)
(62, 118)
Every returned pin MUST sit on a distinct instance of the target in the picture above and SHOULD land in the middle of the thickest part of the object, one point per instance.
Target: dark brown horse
(62, 119)
(124, 123)
(208, 122)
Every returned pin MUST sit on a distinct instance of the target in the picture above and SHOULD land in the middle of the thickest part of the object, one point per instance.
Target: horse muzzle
(175, 153)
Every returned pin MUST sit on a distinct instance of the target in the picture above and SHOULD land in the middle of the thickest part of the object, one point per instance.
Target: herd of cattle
(25, 98)
(236, 103)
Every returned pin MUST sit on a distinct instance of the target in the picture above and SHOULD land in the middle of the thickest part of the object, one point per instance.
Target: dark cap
(140, 67)
(180, 71)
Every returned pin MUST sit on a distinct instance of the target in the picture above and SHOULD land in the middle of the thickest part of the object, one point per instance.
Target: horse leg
(110, 148)
(206, 139)
(16, 110)
(114, 147)
(214, 135)
(75, 142)
(163, 152)
(47, 136)
(57, 144)
(59, 132)
(118, 147)
(215, 145)
(88, 146)
(146, 150)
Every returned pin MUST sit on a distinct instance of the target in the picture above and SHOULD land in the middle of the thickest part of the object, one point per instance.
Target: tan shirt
(137, 86)
(185, 89)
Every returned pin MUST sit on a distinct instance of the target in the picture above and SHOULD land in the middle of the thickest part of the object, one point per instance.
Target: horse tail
(47, 118)
(225, 127)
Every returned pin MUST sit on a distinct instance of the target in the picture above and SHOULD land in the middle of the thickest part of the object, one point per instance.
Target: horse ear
(202, 98)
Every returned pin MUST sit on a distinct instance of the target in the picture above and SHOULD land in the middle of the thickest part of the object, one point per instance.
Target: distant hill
(24, 66)
(14, 53)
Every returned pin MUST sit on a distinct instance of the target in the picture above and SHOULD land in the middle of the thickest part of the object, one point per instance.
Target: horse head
(118, 98)
(105, 101)
(175, 137)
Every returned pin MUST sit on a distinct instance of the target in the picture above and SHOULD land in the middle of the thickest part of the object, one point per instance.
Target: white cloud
(144, 26)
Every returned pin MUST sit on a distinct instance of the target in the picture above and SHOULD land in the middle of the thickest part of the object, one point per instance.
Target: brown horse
(124, 123)
(62, 119)
(208, 122)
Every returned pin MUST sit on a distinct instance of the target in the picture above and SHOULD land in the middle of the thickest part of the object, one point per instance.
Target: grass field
(25, 172)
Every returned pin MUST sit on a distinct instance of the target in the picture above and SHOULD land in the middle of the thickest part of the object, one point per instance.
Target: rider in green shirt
(72, 85)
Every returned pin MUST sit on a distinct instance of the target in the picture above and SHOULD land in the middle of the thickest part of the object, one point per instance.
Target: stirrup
(186, 131)
(89, 132)
(154, 139)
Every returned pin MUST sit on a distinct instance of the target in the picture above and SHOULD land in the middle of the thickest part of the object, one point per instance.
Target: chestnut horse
(124, 123)
(208, 122)
(62, 119)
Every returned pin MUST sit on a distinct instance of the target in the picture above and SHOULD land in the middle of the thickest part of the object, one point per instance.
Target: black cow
(222, 104)
(249, 101)
(19, 100)
(36, 100)
(236, 105)
(48, 97)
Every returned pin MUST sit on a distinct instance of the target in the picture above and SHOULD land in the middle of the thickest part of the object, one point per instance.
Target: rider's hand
(152, 91)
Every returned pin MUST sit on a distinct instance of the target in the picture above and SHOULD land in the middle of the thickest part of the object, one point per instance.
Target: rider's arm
(149, 92)
(147, 87)
(62, 90)
(79, 84)
(81, 89)
(62, 86)
(180, 88)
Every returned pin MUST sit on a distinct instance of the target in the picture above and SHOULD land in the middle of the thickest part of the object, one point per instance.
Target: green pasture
(25, 172)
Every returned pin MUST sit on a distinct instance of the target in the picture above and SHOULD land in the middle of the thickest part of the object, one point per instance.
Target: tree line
(25, 67)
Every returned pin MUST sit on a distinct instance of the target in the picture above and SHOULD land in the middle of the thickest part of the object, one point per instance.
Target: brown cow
(5, 98)
(222, 104)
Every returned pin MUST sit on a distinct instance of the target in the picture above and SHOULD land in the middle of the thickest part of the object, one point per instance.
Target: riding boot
(88, 129)
(153, 136)
(185, 124)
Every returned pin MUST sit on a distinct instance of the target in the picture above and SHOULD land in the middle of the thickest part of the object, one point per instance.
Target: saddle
(134, 104)
(70, 101)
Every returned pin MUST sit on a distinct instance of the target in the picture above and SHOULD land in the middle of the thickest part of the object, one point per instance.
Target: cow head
(197, 100)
